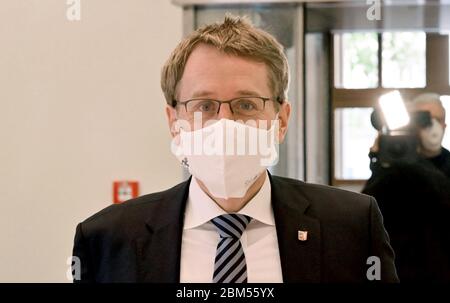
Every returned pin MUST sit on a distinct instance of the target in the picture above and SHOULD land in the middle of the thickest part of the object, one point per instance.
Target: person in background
(414, 199)
(431, 137)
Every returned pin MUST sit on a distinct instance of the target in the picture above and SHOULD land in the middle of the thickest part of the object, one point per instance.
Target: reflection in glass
(403, 56)
(354, 135)
(356, 60)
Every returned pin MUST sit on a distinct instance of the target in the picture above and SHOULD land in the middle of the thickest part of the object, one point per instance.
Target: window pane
(356, 60)
(354, 135)
(404, 59)
(446, 102)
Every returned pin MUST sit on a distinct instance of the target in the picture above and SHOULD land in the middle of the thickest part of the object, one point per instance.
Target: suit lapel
(159, 251)
(300, 260)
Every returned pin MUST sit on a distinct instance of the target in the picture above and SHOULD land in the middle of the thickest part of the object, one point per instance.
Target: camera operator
(431, 137)
(413, 193)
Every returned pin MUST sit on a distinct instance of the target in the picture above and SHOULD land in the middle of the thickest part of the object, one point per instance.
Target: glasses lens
(247, 107)
(206, 107)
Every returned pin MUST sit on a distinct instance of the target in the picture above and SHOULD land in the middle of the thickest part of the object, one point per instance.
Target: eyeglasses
(241, 107)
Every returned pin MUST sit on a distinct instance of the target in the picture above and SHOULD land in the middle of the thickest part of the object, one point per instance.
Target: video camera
(398, 141)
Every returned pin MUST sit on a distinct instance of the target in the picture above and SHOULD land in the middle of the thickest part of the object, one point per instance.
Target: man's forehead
(210, 72)
(202, 51)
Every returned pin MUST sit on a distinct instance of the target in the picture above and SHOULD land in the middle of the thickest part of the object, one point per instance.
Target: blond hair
(235, 36)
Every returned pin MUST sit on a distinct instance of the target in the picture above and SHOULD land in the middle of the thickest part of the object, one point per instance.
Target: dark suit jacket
(415, 202)
(140, 240)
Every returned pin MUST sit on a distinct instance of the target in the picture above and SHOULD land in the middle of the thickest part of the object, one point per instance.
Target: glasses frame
(175, 103)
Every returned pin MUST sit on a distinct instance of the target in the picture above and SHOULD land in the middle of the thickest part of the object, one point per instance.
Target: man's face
(430, 138)
(212, 74)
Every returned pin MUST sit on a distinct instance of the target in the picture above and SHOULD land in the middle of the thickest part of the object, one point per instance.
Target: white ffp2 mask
(227, 156)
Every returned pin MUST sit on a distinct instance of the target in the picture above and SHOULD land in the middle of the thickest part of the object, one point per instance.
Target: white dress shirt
(200, 237)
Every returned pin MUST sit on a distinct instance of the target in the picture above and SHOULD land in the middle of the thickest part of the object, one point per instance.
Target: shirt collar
(201, 208)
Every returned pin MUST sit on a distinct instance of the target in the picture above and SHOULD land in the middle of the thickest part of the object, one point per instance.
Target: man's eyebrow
(205, 93)
(247, 93)
(201, 93)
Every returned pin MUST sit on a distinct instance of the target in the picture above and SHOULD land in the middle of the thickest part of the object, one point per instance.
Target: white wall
(80, 106)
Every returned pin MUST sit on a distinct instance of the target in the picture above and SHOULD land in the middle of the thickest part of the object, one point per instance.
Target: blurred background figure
(431, 137)
(413, 191)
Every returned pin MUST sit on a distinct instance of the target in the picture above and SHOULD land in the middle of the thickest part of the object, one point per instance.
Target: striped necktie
(229, 265)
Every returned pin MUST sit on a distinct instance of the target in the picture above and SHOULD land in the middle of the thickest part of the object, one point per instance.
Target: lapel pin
(302, 235)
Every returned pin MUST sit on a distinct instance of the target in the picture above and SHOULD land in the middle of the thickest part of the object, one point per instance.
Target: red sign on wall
(125, 190)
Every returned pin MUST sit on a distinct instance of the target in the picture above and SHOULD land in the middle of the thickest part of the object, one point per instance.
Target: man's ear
(283, 115)
(171, 115)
